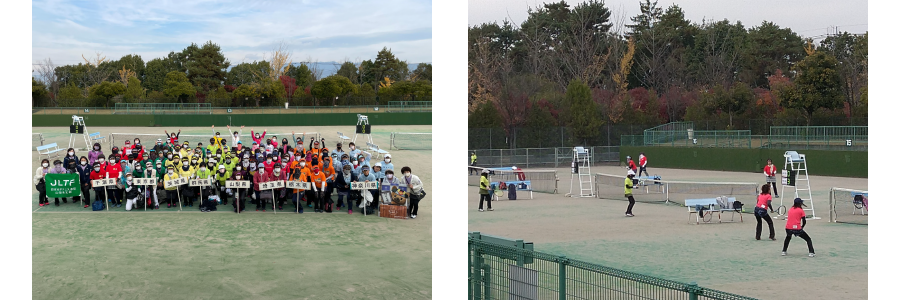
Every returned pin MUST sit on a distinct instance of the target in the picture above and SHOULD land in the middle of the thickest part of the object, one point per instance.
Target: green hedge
(336, 119)
(820, 162)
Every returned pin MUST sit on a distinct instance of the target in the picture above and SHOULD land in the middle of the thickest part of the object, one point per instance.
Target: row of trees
(581, 67)
(202, 74)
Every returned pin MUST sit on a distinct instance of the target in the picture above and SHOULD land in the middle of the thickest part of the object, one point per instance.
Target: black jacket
(339, 180)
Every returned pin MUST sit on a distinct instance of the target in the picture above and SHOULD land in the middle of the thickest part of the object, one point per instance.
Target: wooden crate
(392, 211)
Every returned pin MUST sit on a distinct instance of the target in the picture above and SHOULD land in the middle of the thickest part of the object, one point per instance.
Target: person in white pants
(132, 192)
(150, 172)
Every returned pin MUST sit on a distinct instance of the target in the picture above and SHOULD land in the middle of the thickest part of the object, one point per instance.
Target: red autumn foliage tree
(290, 85)
(229, 88)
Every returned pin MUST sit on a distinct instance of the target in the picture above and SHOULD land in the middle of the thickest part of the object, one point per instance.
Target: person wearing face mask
(280, 193)
(386, 183)
(174, 160)
(236, 136)
(94, 154)
(184, 150)
(217, 136)
(114, 150)
(114, 170)
(222, 174)
(300, 173)
(72, 168)
(314, 148)
(387, 165)
(353, 152)
(98, 173)
(70, 158)
(149, 191)
(257, 138)
(213, 147)
(127, 148)
(261, 177)
(173, 137)
(298, 141)
(187, 194)
(269, 164)
(339, 150)
(158, 147)
(379, 175)
(319, 186)
(284, 146)
(132, 192)
(171, 192)
(57, 168)
(360, 162)
(274, 142)
(367, 195)
(342, 182)
(239, 147)
(84, 176)
(343, 161)
(240, 195)
(416, 190)
(329, 171)
(39, 184)
(160, 172)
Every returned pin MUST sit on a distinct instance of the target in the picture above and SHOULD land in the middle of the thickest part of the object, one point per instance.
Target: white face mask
(194, 161)
(184, 163)
(203, 168)
(387, 160)
(171, 172)
(406, 174)
(277, 171)
(45, 165)
(352, 147)
(302, 164)
(71, 153)
(112, 161)
(296, 157)
(83, 162)
(170, 156)
(238, 177)
(355, 162)
(100, 160)
(268, 160)
(390, 176)
(129, 179)
(97, 169)
(96, 148)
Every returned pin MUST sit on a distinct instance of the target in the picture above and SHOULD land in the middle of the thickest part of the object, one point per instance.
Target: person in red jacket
(796, 221)
(261, 177)
(763, 203)
(97, 174)
(642, 162)
(114, 170)
(770, 170)
(631, 164)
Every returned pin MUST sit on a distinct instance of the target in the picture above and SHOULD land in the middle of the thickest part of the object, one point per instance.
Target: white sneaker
(413, 216)
(480, 209)
(490, 209)
(629, 215)
(783, 253)
(812, 255)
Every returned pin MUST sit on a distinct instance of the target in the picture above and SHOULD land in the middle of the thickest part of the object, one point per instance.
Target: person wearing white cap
(629, 184)
(387, 165)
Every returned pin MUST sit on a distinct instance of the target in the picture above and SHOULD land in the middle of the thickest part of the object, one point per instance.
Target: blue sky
(246, 30)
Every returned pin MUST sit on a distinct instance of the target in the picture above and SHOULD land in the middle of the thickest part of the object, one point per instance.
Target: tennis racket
(498, 192)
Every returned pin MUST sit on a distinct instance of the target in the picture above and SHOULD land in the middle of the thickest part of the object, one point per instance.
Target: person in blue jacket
(84, 177)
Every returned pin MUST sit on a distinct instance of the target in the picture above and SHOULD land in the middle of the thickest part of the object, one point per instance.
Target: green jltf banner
(62, 185)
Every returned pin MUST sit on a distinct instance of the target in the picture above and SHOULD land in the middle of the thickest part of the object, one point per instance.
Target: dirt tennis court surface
(659, 241)
(81, 254)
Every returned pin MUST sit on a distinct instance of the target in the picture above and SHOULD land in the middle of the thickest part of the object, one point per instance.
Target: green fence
(819, 162)
(356, 109)
(498, 271)
(310, 119)
(163, 108)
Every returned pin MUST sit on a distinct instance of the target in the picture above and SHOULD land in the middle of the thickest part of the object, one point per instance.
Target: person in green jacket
(221, 175)
(484, 189)
(629, 184)
(474, 160)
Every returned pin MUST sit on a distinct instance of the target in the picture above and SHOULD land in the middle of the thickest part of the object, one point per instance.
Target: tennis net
(848, 206)
(411, 140)
(652, 190)
(37, 140)
(543, 181)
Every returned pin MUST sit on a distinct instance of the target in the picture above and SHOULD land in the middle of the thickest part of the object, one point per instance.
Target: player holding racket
(763, 202)
(796, 221)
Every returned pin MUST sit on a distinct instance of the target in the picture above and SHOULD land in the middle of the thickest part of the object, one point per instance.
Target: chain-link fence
(499, 271)
(539, 157)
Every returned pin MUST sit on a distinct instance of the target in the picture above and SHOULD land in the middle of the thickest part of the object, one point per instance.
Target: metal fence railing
(703, 138)
(539, 157)
(498, 271)
(359, 109)
(162, 108)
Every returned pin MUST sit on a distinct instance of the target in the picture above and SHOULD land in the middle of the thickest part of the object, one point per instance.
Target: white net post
(844, 207)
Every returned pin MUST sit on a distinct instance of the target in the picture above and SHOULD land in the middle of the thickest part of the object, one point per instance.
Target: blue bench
(377, 150)
(342, 137)
(520, 186)
(49, 149)
(96, 137)
(711, 205)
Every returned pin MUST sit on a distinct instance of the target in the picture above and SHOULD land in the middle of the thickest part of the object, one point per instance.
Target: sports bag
(97, 205)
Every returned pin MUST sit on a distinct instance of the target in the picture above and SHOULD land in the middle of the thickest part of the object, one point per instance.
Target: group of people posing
(266, 160)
